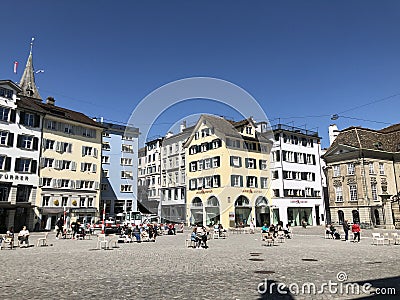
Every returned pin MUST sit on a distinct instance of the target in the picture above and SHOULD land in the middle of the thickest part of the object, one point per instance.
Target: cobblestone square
(232, 268)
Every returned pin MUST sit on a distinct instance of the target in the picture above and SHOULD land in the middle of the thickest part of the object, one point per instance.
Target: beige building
(227, 173)
(70, 165)
(362, 171)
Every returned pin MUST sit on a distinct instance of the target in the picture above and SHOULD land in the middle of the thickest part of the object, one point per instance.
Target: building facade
(227, 173)
(149, 177)
(296, 177)
(119, 169)
(20, 136)
(362, 170)
(173, 176)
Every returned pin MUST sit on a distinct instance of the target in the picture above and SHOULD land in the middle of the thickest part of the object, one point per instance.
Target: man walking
(346, 228)
(356, 231)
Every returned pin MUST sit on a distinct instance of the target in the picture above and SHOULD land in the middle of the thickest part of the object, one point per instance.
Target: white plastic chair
(377, 238)
(101, 239)
(42, 240)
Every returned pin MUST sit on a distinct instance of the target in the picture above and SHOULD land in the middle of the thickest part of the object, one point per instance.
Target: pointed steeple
(27, 82)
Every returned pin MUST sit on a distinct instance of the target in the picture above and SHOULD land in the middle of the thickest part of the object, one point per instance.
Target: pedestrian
(346, 228)
(252, 226)
(59, 227)
(136, 233)
(356, 231)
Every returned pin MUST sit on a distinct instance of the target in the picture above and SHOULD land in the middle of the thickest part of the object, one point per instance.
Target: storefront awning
(83, 210)
(52, 210)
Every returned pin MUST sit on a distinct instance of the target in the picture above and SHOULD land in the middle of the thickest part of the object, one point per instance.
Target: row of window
(27, 142)
(67, 201)
(205, 164)
(203, 147)
(28, 119)
(203, 133)
(172, 149)
(309, 176)
(22, 165)
(7, 114)
(294, 157)
(124, 174)
(124, 137)
(353, 192)
(70, 129)
(295, 140)
(174, 163)
(236, 181)
(124, 161)
(307, 192)
(174, 178)
(68, 183)
(246, 145)
(173, 194)
(6, 93)
(23, 192)
(249, 163)
(350, 167)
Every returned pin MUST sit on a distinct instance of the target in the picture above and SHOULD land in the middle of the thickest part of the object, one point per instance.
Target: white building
(296, 173)
(149, 177)
(173, 177)
(20, 136)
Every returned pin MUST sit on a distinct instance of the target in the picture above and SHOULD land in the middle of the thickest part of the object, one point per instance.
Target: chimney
(333, 133)
(50, 101)
(183, 125)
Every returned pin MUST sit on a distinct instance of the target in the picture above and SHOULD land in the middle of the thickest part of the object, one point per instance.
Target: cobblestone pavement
(72, 269)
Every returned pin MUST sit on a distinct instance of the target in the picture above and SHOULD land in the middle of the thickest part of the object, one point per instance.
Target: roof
(387, 139)
(27, 82)
(56, 111)
(12, 84)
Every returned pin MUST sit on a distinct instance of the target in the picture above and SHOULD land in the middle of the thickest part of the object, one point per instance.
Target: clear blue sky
(297, 58)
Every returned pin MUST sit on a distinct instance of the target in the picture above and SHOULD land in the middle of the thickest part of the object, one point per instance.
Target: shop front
(296, 215)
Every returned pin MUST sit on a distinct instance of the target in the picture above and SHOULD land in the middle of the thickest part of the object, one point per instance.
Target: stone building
(362, 170)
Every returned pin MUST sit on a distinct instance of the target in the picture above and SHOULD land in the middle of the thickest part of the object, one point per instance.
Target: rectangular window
(208, 181)
(192, 184)
(45, 200)
(350, 169)
(236, 161)
(105, 159)
(82, 201)
(87, 151)
(90, 202)
(250, 163)
(216, 162)
(336, 170)
(374, 192)
(236, 180)
(251, 182)
(68, 128)
(381, 169)
(3, 138)
(126, 175)
(193, 166)
(26, 142)
(49, 144)
(263, 164)
(4, 112)
(126, 188)
(127, 148)
(106, 146)
(6, 93)
(371, 168)
(64, 183)
(207, 163)
(64, 201)
(276, 193)
(264, 182)
(353, 192)
(104, 186)
(126, 161)
(275, 175)
(51, 125)
(105, 173)
(216, 181)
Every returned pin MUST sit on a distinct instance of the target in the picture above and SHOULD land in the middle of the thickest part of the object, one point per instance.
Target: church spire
(27, 82)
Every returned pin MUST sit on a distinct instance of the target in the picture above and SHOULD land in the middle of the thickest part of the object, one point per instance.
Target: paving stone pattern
(72, 269)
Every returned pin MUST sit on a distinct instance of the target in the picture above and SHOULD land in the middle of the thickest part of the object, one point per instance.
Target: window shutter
(218, 161)
(240, 162)
(22, 118)
(241, 181)
(231, 161)
(255, 182)
(95, 152)
(232, 180)
(59, 182)
(94, 168)
(42, 162)
(7, 166)
(83, 150)
(33, 166)
(37, 120)
(313, 159)
(73, 166)
(41, 181)
(17, 165)
(77, 184)
(82, 166)
(35, 143)
(44, 143)
(19, 141)
(69, 148)
(304, 158)
(10, 140)
(12, 116)
(96, 185)
(72, 184)
(54, 183)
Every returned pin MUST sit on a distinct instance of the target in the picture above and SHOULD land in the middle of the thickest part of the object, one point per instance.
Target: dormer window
(249, 130)
(4, 112)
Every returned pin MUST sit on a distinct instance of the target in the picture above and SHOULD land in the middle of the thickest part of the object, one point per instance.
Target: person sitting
(23, 237)
(194, 238)
(286, 230)
(332, 230)
(264, 228)
(272, 230)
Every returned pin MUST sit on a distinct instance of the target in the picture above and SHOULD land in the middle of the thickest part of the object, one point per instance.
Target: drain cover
(256, 259)
(255, 253)
(309, 259)
(373, 262)
(264, 272)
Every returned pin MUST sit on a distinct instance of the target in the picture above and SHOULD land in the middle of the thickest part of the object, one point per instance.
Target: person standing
(252, 227)
(60, 225)
(356, 231)
(346, 228)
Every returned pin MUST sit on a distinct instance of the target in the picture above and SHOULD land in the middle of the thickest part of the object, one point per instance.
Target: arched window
(340, 216)
(212, 201)
(242, 201)
(196, 202)
(356, 216)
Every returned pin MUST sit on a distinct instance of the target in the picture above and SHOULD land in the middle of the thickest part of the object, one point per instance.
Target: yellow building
(227, 167)
(70, 165)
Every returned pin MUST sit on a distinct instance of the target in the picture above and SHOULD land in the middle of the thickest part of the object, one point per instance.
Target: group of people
(272, 231)
(23, 237)
(147, 232)
(355, 229)
(200, 236)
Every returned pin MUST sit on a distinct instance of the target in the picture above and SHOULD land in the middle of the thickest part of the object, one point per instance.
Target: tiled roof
(48, 109)
(387, 139)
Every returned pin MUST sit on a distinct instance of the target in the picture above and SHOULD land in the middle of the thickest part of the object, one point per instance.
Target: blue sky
(301, 60)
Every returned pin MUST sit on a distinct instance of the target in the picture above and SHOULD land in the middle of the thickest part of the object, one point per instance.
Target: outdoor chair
(42, 240)
(396, 238)
(377, 238)
(281, 237)
(267, 239)
(101, 240)
(388, 238)
(189, 243)
(7, 242)
(113, 240)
